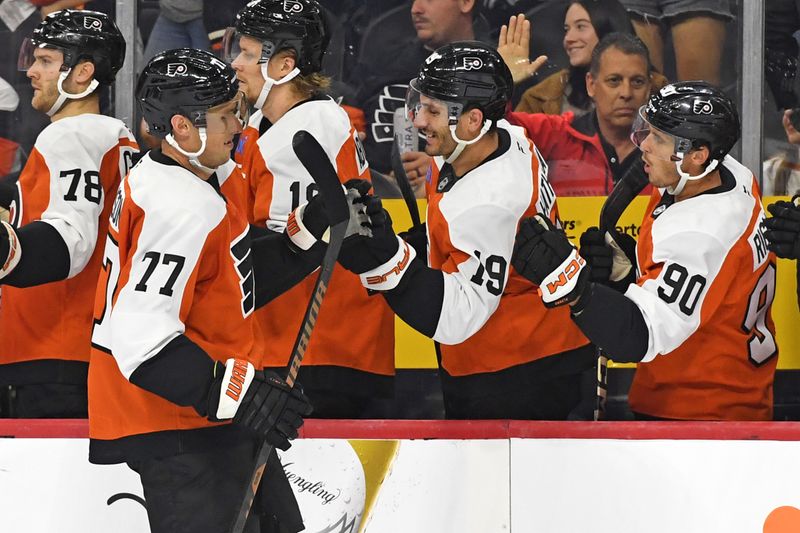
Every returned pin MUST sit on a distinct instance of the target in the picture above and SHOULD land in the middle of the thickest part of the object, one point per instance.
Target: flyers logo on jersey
(290, 6)
(472, 63)
(176, 69)
(92, 23)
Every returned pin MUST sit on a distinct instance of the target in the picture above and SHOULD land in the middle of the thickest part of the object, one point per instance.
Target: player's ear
(700, 156)
(466, 6)
(474, 121)
(180, 127)
(83, 72)
(288, 62)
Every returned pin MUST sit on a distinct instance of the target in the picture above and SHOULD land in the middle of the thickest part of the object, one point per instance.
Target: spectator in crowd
(587, 155)
(586, 22)
(174, 388)
(502, 353)
(698, 34)
(781, 172)
(696, 313)
(349, 364)
(179, 25)
(59, 212)
(383, 83)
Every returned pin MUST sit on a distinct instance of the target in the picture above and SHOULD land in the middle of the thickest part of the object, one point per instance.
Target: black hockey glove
(783, 229)
(544, 255)
(417, 237)
(610, 257)
(10, 249)
(377, 255)
(309, 222)
(260, 401)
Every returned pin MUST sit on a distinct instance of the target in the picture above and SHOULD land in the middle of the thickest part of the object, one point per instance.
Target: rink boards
(441, 477)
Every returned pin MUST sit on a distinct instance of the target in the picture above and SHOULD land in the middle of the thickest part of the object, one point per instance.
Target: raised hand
(514, 47)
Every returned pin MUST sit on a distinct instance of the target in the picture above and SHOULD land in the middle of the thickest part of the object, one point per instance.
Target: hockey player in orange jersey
(502, 353)
(49, 252)
(697, 316)
(174, 388)
(276, 48)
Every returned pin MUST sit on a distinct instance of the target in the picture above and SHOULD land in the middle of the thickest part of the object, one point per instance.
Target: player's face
(579, 36)
(247, 67)
(436, 21)
(222, 123)
(44, 73)
(621, 87)
(432, 119)
(657, 149)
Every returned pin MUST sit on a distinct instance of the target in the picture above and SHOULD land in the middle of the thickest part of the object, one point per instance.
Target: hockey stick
(316, 162)
(400, 173)
(626, 189)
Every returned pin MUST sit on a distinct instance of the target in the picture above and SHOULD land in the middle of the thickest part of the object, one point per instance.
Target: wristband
(387, 276)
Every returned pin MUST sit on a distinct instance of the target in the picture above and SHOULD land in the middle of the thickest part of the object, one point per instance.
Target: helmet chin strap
(685, 177)
(193, 155)
(460, 145)
(269, 82)
(63, 95)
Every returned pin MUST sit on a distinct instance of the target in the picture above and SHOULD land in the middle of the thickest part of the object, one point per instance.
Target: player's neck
(73, 108)
(170, 151)
(474, 154)
(695, 187)
(280, 100)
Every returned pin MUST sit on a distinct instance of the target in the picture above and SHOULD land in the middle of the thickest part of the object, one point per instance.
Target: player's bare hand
(514, 47)
(416, 165)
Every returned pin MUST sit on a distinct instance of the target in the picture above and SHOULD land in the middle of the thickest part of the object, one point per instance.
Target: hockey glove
(417, 237)
(783, 229)
(544, 255)
(309, 222)
(379, 257)
(10, 249)
(260, 401)
(610, 257)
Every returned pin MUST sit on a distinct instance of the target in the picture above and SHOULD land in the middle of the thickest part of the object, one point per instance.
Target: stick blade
(315, 160)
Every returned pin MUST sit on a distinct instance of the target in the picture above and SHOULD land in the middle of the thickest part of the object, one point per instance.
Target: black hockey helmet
(79, 35)
(298, 25)
(469, 73)
(697, 114)
(185, 81)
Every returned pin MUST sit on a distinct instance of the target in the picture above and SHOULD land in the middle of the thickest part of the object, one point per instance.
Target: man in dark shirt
(587, 155)
(388, 63)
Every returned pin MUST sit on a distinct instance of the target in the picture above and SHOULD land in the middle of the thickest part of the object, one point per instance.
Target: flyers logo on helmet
(290, 6)
(702, 107)
(472, 63)
(92, 23)
(177, 69)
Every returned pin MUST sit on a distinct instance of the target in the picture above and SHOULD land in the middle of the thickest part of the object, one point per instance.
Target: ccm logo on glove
(562, 280)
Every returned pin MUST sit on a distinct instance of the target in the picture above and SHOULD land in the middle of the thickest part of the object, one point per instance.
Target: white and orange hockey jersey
(353, 330)
(705, 291)
(177, 262)
(492, 318)
(68, 182)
